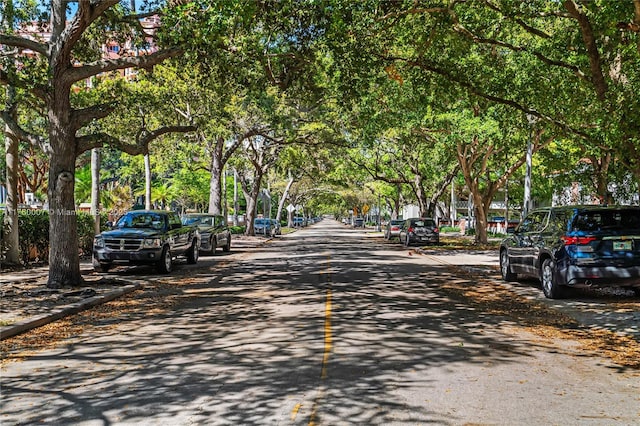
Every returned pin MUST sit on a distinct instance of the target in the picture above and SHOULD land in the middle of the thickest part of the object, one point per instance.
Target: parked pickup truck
(146, 237)
(213, 229)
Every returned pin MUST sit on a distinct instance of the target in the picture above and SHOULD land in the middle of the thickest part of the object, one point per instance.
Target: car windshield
(597, 220)
(141, 220)
(396, 222)
(198, 220)
(260, 222)
(421, 223)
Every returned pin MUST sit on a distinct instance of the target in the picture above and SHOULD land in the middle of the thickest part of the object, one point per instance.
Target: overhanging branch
(146, 61)
(23, 43)
(80, 118)
(22, 134)
(150, 136)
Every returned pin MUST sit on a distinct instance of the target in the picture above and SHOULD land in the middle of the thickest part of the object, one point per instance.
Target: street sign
(291, 208)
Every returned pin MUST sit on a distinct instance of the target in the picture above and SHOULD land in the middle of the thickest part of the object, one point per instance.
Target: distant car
(392, 229)
(262, 226)
(419, 230)
(574, 247)
(358, 222)
(214, 231)
(275, 227)
(299, 221)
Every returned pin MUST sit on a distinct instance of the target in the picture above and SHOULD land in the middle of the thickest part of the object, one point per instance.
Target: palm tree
(117, 199)
(83, 185)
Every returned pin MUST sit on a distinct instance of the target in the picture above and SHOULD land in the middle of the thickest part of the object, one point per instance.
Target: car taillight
(578, 241)
(394, 228)
(410, 229)
(436, 229)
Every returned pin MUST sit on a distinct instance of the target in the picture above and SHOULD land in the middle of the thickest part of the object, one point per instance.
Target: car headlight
(151, 243)
(98, 242)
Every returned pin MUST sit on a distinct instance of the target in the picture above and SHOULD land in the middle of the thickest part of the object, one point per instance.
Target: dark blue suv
(575, 247)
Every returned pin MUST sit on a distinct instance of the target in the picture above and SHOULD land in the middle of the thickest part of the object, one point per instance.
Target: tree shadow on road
(315, 331)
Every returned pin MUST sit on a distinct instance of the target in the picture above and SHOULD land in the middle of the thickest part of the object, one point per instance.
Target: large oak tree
(62, 61)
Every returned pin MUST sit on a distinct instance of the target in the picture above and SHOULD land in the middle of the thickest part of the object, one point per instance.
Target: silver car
(392, 229)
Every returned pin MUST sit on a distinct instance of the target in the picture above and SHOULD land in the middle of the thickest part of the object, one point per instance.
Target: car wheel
(387, 236)
(505, 267)
(100, 267)
(192, 253)
(227, 247)
(636, 290)
(165, 264)
(213, 244)
(550, 286)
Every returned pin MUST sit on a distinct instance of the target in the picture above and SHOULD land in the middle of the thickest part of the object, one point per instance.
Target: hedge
(33, 227)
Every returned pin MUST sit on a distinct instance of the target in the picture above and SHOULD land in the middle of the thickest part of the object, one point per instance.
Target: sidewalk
(27, 303)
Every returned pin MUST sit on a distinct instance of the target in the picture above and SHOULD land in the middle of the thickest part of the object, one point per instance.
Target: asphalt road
(321, 327)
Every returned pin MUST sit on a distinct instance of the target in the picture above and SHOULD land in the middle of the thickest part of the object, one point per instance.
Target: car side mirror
(109, 224)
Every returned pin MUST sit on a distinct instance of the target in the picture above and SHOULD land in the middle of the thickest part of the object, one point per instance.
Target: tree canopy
(320, 99)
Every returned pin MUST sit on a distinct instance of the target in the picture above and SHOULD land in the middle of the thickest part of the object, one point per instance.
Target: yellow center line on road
(327, 334)
(327, 343)
(294, 412)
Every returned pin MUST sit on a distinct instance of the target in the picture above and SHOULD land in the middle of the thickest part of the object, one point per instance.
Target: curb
(29, 324)
(472, 269)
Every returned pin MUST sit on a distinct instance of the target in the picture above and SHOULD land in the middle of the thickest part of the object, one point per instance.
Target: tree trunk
(225, 201)
(290, 218)
(251, 195)
(418, 189)
(215, 184)
(12, 235)
(480, 213)
(95, 189)
(147, 181)
(285, 195)
(64, 259)
(601, 171)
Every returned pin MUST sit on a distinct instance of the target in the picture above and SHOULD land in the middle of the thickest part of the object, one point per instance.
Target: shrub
(34, 233)
(85, 232)
(449, 229)
(33, 226)
(238, 230)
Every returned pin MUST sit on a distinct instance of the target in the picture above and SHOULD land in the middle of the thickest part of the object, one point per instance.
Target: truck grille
(123, 244)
